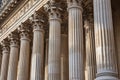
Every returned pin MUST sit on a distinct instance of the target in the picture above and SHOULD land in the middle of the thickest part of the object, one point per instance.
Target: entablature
(6, 7)
(19, 16)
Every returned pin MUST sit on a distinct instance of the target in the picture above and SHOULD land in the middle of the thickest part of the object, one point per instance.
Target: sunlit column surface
(54, 42)
(90, 50)
(104, 40)
(37, 70)
(13, 60)
(23, 64)
(76, 41)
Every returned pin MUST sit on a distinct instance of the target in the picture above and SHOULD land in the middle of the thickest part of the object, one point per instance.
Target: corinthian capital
(53, 8)
(24, 31)
(5, 46)
(38, 21)
(14, 39)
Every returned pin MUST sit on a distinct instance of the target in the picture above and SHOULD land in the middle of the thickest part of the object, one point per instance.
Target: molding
(7, 8)
(23, 18)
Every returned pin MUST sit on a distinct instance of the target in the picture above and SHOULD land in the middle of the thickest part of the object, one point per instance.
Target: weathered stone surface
(14, 54)
(37, 70)
(5, 60)
(104, 40)
(54, 69)
(76, 40)
(24, 57)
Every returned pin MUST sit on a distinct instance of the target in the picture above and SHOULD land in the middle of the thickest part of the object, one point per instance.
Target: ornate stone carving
(5, 46)
(38, 21)
(14, 39)
(24, 31)
(53, 9)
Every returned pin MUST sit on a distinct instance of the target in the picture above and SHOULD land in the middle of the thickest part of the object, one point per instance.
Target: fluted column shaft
(13, 60)
(104, 38)
(5, 62)
(90, 51)
(54, 50)
(76, 44)
(0, 60)
(23, 64)
(46, 60)
(64, 57)
(54, 42)
(37, 70)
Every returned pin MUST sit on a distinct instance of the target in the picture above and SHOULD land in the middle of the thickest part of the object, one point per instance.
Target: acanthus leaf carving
(24, 30)
(54, 9)
(5, 46)
(14, 39)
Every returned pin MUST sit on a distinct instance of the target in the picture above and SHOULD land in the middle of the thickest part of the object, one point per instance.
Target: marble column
(54, 42)
(76, 41)
(104, 40)
(90, 51)
(37, 70)
(13, 60)
(64, 57)
(5, 60)
(23, 64)
(46, 60)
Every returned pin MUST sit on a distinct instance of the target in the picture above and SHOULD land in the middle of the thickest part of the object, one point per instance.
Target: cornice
(24, 17)
(8, 8)
(12, 14)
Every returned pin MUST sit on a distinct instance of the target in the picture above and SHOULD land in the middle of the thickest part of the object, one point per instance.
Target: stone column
(13, 60)
(37, 70)
(90, 40)
(54, 42)
(23, 64)
(76, 44)
(64, 57)
(104, 40)
(0, 59)
(5, 60)
(90, 51)
(46, 60)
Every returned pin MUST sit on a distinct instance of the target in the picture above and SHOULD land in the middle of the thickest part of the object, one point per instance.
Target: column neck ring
(75, 6)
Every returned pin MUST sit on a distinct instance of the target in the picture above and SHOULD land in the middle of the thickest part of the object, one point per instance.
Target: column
(54, 42)
(0, 59)
(5, 60)
(37, 70)
(64, 57)
(13, 60)
(23, 64)
(90, 50)
(76, 44)
(46, 60)
(104, 40)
